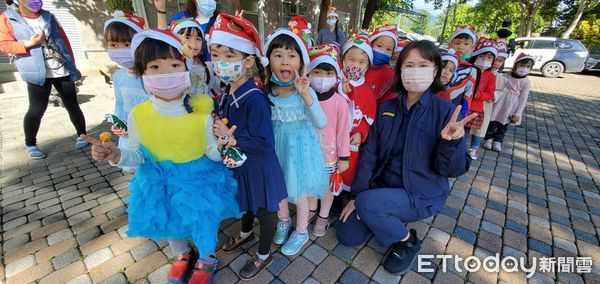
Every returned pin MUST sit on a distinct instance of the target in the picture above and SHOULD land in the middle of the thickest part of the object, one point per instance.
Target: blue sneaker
(34, 152)
(295, 243)
(283, 229)
(80, 143)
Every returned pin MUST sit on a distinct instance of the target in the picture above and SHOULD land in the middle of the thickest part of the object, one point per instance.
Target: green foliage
(123, 5)
(588, 32)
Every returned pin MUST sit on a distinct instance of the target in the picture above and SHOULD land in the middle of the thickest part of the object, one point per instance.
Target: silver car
(553, 56)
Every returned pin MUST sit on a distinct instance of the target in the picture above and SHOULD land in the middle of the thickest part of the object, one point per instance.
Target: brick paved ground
(63, 218)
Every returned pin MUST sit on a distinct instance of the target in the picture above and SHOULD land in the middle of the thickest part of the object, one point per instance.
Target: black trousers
(38, 103)
(496, 131)
(268, 225)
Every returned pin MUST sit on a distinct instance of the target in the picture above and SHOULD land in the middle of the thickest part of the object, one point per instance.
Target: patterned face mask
(354, 72)
(229, 71)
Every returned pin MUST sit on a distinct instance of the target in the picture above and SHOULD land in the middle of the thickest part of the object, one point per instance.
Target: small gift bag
(336, 183)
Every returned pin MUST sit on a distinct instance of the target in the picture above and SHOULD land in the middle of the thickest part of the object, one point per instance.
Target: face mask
(121, 56)
(354, 72)
(167, 85)
(482, 63)
(331, 22)
(523, 71)
(417, 79)
(277, 82)
(207, 7)
(322, 84)
(466, 56)
(34, 5)
(229, 71)
(380, 57)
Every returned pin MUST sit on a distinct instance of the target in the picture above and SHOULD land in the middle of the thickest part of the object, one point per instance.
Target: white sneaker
(473, 153)
(488, 144)
(497, 147)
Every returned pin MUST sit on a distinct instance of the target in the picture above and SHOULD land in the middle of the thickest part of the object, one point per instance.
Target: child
(396, 54)
(325, 74)
(510, 108)
(194, 47)
(357, 57)
(129, 91)
(464, 85)
(380, 75)
(235, 47)
(483, 58)
(449, 64)
(180, 192)
(296, 117)
(500, 89)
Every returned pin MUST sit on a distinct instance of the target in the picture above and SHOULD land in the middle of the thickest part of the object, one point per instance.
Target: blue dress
(297, 145)
(260, 178)
(129, 92)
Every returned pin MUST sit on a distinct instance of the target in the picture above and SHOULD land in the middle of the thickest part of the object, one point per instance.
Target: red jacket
(485, 91)
(380, 80)
(365, 110)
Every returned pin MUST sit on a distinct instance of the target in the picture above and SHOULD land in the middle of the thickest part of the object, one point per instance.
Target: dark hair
(325, 67)
(474, 58)
(9, 2)
(119, 32)
(191, 7)
(152, 49)
(430, 52)
(286, 42)
(463, 36)
(188, 32)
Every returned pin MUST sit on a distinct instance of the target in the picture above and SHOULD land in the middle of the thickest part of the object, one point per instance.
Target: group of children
(291, 136)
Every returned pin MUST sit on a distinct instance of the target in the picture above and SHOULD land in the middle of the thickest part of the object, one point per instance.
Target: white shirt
(54, 68)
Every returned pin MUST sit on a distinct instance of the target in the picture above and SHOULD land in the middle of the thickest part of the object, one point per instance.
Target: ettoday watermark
(495, 263)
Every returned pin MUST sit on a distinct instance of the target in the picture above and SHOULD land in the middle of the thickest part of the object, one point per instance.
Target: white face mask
(206, 8)
(523, 71)
(482, 63)
(331, 22)
(322, 84)
(417, 79)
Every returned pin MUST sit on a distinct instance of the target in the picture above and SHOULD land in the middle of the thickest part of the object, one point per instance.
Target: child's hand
(346, 86)
(343, 166)
(356, 139)
(219, 128)
(515, 118)
(301, 83)
(118, 131)
(227, 140)
(103, 151)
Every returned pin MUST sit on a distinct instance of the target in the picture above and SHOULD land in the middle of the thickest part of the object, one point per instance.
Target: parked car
(592, 63)
(553, 56)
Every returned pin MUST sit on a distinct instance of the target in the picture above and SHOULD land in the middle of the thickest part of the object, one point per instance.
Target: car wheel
(552, 69)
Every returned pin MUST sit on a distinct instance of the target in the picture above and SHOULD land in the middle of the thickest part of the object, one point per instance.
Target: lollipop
(225, 121)
(105, 137)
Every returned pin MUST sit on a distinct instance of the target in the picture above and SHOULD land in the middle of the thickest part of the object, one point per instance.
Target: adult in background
(402, 177)
(44, 59)
(203, 11)
(332, 32)
(505, 33)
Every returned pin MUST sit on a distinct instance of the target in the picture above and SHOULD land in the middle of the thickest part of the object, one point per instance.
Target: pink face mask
(417, 79)
(354, 72)
(168, 85)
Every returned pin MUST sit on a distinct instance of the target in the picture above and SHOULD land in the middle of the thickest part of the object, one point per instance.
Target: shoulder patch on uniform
(390, 114)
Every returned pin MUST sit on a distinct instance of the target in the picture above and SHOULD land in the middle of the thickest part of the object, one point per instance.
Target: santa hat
(361, 42)
(401, 45)
(451, 55)
(165, 36)
(332, 12)
(387, 30)
(298, 29)
(133, 21)
(363, 32)
(501, 46)
(329, 54)
(523, 57)
(468, 30)
(238, 33)
(178, 25)
(485, 45)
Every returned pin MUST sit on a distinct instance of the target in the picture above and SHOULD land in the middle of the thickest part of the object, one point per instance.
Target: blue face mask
(381, 58)
(465, 57)
(276, 81)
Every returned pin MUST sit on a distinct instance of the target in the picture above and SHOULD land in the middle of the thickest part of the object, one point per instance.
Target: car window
(595, 49)
(563, 44)
(522, 44)
(543, 44)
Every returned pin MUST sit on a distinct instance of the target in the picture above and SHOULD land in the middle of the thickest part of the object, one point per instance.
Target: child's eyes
(154, 67)
(175, 65)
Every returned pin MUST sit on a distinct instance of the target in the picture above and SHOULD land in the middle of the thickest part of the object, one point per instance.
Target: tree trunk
(575, 21)
(323, 14)
(523, 19)
(532, 12)
(370, 9)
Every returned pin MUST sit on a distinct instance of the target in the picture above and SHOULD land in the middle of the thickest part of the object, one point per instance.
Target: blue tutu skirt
(299, 152)
(181, 201)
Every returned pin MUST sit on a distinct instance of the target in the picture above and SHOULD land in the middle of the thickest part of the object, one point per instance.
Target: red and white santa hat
(361, 42)
(299, 30)
(133, 21)
(162, 35)
(326, 53)
(401, 45)
(451, 55)
(386, 30)
(484, 45)
(185, 23)
(524, 56)
(468, 30)
(501, 46)
(332, 12)
(238, 33)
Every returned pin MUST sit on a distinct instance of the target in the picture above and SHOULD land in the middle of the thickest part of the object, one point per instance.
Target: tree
(325, 4)
(582, 7)
(588, 31)
(122, 5)
(375, 6)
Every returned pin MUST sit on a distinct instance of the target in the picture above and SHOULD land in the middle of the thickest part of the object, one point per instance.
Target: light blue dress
(129, 92)
(297, 145)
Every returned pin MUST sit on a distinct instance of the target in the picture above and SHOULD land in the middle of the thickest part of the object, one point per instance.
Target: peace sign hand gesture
(301, 83)
(456, 129)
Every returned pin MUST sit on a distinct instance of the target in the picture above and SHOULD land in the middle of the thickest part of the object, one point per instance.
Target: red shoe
(179, 268)
(203, 273)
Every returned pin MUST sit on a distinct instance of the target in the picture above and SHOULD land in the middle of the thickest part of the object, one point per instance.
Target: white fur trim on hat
(299, 41)
(364, 47)
(153, 34)
(491, 49)
(325, 59)
(448, 57)
(384, 33)
(120, 18)
(526, 57)
(187, 24)
(238, 43)
(464, 30)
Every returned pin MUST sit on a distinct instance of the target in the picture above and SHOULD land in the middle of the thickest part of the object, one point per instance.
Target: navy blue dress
(260, 178)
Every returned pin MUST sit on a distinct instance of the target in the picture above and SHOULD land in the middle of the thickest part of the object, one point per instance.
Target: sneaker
(80, 143)
(488, 144)
(473, 153)
(203, 272)
(295, 243)
(179, 269)
(283, 229)
(403, 256)
(321, 226)
(34, 152)
(497, 146)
